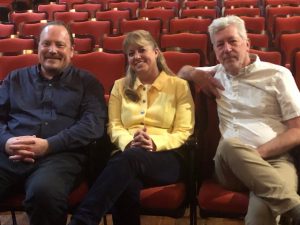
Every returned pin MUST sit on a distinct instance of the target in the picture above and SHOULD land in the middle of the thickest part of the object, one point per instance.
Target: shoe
(294, 214)
(76, 222)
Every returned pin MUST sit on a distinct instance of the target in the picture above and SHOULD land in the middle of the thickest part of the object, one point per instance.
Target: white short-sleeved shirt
(256, 102)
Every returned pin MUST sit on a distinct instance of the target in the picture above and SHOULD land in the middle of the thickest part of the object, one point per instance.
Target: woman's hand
(143, 140)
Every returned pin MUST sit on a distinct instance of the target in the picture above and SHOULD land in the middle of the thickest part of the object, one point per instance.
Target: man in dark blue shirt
(48, 114)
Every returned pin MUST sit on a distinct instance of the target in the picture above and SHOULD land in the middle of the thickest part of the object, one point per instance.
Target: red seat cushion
(15, 201)
(163, 197)
(213, 197)
(12, 202)
(78, 194)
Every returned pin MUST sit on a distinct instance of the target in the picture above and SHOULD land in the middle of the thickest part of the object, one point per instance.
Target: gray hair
(223, 22)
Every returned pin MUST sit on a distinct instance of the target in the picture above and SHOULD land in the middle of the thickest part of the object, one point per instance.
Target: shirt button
(142, 123)
(50, 85)
(46, 123)
(144, 89)
(142, 112)
(144, 101)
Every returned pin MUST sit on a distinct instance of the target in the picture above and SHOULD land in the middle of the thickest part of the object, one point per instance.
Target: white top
(255, 103)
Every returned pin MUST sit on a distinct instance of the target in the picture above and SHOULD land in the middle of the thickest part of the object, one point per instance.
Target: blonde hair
(140, 38)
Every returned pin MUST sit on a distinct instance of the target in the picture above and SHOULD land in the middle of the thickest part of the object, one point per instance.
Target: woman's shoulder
(119, 82)
(176, 80)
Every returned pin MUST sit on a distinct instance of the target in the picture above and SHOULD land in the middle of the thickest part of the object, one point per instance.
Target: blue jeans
(120, 183)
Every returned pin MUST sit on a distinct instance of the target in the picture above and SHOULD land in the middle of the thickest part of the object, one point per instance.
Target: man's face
(231, 49)
(55, 49)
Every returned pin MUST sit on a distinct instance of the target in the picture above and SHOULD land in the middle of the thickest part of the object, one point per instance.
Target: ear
(156, 51)
(72, 51)
(248, 44)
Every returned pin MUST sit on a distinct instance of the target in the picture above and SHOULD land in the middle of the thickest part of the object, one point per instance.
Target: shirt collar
(158, 82)
(247, 69)
(62, 75)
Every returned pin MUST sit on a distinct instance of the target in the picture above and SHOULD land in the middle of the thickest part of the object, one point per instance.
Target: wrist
(192, 73)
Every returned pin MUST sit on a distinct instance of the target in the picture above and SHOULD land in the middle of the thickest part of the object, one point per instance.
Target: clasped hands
(143, 140)
(26, 148)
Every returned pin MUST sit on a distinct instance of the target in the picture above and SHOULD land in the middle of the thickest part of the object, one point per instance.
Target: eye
(60, 45)
(45, 44)
(130, 54)
(141, 50)
(220, 45)
(233, 41)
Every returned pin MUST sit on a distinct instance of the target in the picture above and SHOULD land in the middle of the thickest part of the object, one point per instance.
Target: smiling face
(55, 50)
(142, 60)
(231, 49)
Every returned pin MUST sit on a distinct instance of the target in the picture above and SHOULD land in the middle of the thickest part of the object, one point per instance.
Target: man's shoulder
(83, 73)
(20, 72)
(262, 65)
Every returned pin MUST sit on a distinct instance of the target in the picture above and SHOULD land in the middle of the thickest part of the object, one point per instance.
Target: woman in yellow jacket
(151, 115)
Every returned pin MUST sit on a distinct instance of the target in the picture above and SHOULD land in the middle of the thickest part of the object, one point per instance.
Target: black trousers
(48, 183)
(119, 185)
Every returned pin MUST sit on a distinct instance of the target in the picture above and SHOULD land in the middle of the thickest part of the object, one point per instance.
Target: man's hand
(204, 79)
(143, 140)
(26, 148)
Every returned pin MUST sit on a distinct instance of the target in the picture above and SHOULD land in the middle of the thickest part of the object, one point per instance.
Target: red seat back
(10, 63)
(107, 67)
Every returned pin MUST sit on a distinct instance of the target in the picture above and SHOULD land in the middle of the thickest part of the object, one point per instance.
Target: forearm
(77, 136)
(169, 141)
(120, 137)
(280, 144)
(3, 139)
(186, 72)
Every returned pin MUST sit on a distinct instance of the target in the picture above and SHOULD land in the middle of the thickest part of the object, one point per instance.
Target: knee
(259, 213)
(233, 147)
(130, 161)
(45, 196)
(228, 146)
(132, 156)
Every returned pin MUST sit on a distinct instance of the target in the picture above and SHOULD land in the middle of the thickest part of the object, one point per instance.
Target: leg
(259, 212)
(48, 188)
(126, 210)
(258, 175)
(11, 174)
(156, 168)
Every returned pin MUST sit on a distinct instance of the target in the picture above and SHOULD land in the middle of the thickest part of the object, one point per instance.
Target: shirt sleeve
(288, 95)
(91, 123)
(119, 135)
(4, 110)
(183, 125)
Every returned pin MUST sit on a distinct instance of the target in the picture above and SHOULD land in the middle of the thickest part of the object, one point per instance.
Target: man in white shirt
(259, 112)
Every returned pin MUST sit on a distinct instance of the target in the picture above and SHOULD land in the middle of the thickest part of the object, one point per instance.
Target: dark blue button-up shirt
(69, 110)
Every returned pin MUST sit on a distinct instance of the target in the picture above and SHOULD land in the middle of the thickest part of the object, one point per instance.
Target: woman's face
(142, 59)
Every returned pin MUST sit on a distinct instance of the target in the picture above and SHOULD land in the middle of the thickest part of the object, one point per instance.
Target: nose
(227, 47)
(52, 48)
(136, 55)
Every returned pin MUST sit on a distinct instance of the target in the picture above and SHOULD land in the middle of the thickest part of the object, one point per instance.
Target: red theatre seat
(107, 67)
(213, 199)
(9, 63)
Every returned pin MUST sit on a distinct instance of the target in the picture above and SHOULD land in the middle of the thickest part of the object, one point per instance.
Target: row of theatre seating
(91, 35)
(171, 200)
(197, 189)
(277, 30)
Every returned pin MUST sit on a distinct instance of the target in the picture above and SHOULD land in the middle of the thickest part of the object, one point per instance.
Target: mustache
(230, 56)
(52, 56)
